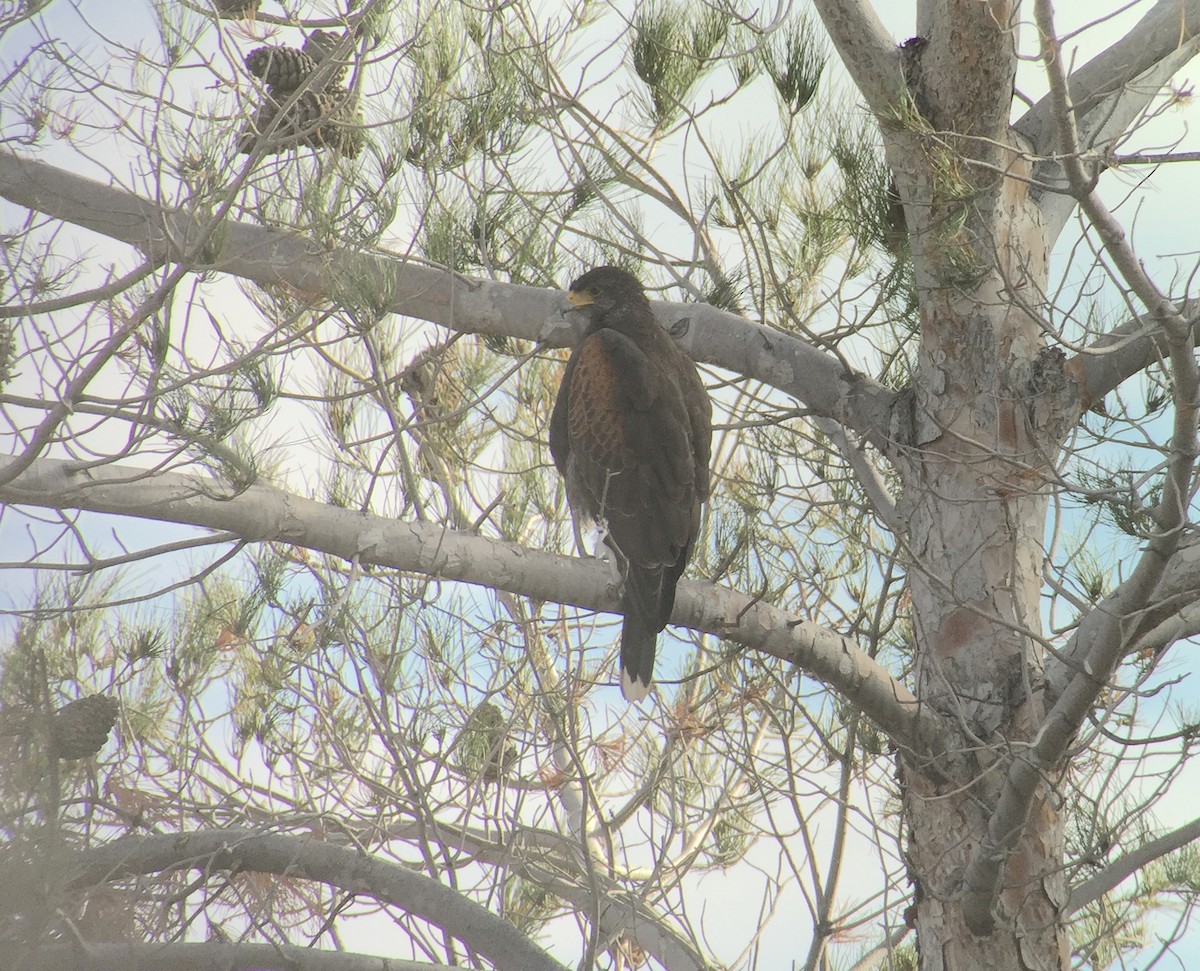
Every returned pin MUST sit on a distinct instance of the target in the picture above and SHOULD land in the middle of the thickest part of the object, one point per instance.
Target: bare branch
(210, 956)
(490, 935)
(264, 514)
(1109, 93)
(1130, 863)
(270, 257)
(1152, 158)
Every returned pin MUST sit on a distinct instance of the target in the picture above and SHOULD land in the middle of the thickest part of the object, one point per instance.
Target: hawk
(630, 434)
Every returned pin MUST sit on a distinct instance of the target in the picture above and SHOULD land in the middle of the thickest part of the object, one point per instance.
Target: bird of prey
(630, 434)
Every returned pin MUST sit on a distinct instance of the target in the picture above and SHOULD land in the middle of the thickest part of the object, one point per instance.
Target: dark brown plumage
(630, 433)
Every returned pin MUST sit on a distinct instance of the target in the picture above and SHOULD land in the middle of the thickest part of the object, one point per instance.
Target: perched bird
(631, 433)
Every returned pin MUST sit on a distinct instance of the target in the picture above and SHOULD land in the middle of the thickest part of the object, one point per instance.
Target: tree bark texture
(974, 500)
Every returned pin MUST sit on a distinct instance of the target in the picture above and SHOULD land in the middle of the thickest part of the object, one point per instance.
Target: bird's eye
(593, 291)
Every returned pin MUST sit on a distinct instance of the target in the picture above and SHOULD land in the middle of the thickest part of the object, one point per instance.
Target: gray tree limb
(1166, 25)
(272, 257)
(867, 50)
(1123, 352)
(1108, 93)
(1130, 863)
(1174, 598)
(486, 933)
(207, 956)
(261, 513)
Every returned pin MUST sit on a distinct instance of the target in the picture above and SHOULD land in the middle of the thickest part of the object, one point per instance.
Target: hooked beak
(578, 298)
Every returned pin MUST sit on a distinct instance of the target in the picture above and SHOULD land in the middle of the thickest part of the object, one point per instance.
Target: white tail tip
(631, 688)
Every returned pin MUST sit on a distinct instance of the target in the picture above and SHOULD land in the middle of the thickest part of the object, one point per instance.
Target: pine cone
(81, 728)
(342, 129)
(319, 119)
(236, 9)
(322, 43)
(299, 126)
(282, 68)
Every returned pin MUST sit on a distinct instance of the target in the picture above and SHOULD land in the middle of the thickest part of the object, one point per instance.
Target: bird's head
(606, 287)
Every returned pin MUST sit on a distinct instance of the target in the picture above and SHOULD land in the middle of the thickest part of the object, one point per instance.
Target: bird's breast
(598, 414)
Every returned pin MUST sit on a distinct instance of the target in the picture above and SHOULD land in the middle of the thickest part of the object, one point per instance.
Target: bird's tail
(638, 643)
(646, 601)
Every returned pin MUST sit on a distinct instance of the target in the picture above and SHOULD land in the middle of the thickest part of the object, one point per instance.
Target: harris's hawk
(630, 433)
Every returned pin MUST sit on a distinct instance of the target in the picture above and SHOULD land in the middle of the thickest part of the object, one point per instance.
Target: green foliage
(483, 747)
(732, 837)
(144, 643)
(902, 958)
(794, 60)
(1093, 579)
(528, 905)
(8, 352)
(468, 96)
(1123, 496)
(1181, 869)
(671, 46)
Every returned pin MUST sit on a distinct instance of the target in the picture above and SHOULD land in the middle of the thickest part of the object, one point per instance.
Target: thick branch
(208, 956)
(1167, 28)
(274, 258)
(967, 68)
(493, 937)
(1123, 352)
(870, 56)
(1109, 94)
(265, 514)
(1130, 863)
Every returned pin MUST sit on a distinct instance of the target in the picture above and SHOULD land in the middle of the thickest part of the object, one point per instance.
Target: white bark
(311, 859)
(272, 258)
(209, 956)
(262, 513)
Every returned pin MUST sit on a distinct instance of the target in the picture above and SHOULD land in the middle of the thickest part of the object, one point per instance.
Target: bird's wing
(699, 412)
(630, 448)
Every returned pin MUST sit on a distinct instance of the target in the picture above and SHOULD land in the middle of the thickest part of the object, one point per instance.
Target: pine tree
(299, 652)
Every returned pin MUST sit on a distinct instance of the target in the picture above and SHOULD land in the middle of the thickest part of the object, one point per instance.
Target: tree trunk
(974, 513)
(975, 516)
